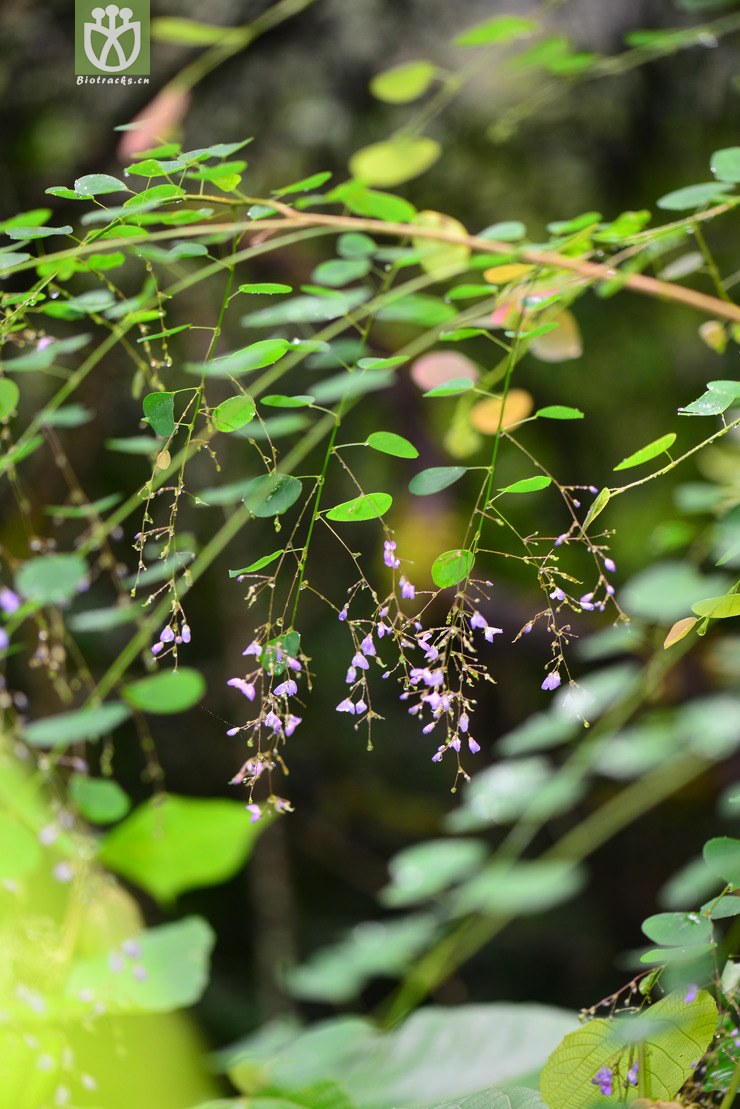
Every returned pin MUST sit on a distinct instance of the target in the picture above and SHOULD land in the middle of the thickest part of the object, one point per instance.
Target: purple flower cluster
(172, 636)
(603, 1079)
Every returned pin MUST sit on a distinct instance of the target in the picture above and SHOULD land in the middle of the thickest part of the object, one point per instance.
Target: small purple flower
(159, 646)
(368, 647)
(253, 648)
(286, 689)
(603, 1080)
(342, 613)
(10, 602)
(691, 993)
(585, 602)
(346, 706)
(464, 722)
(477, 621)
(351, 675)
(474, 747)
(243, 686)
(255, 812)
(272, 720)
(166, 635)
(552, 681)
(360, 706)
(4, 639)
(388, 556)
(232, 732)
(383, 629)
(294, 664)
(610, 565)
(632, 1074)
(186, 633)
(408, 591)
(557, 595)
(489, 633)
(291, 723)
(360, 662)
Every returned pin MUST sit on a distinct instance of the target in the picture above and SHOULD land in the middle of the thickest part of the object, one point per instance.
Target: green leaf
(264, 353)
(98, 800)
(280, 400)
(51, 579)
(452, 567)
(426, 869)
(135, 444)
(268, 287)
(652, 450)
(507, 232)
(666, 590)
(368, 506)
(718, 608)
(722, 856)
(340, 271)
(694, 196)
(314, 181)
(166, 692)
(94, 184)
(451, 388)
(355, 244)
(75, 726)
(677, 929)
(381, 363)
(37, 232)
(307, 309)
(418, 309)
(234, 413)
(675, 1035)
(9, 397)
(559, 412)
(434, 479)
(394, 161)
(277, 651)
(403, 83)
(159, 411)
(362, 201)
(174, 962)
(720, 396)
(272, 494)
(598, 506)
(523, 888)
(726, 164)
(171, 844)
(501, 29)
(10, 259)
(258, 565)
(528, 484)
(191, 32)
(388, 443)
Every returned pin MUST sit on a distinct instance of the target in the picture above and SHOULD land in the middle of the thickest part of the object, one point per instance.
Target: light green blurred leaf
(403, 83)
(166, 692)
(394, 161)
(75, 726)
(426, 869)
(234, 413)
(435, 479)
(51, 579)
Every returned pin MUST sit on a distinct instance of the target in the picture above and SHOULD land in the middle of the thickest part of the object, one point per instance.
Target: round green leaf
(388, 443)
(168, 691)
(434, 479)
(652, 450)
(95, 184)
(722, 856)
(718, 608)
(452, 567)
(368, 506)
(234, 413)
(51, 579)
(726, 164)
(159, 409)
(271, 494)
(9, 396)
(693, 196)
(340, 271)
(391, 163)
(75, 726)
(403, 83)
(677, 929)
(99, 800)
(528, 484)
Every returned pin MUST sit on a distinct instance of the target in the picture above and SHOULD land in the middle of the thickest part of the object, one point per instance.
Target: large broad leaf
(426, 869)
(173, 844)
(437, 1054)
(51, 579)
(166, 692)
(674, 1036)
(234, 413)
(519, 889)
(76, 726)
(666, 591)
(168, 971)
(20, 850)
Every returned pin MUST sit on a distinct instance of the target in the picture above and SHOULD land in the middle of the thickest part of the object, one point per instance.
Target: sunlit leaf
(234, 413)
(9, 397)
(452, 567)
(403, 82)
(489, 415)
(528, 484)
(93, 184)
(441, 259)
(559, 412)
(254, 357)
(394, 161)
(268, 287)
(720, 396)
(388, 443)
(258, 565)
(718, 608)
(166, 692)
(502, 275)
(368, 506)
(75, 726)
(307, 309)
(726, 164)
(171, 844)
(280, 400)
(598, 506)
(646, 454)
(679, 630)
(501, 29)
(20, 850)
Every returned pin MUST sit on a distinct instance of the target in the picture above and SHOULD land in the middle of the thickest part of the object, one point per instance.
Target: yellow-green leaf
(390, 163)
(403, 83)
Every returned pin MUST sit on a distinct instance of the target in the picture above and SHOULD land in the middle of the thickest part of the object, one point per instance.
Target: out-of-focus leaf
(166, 692)
(394, 161)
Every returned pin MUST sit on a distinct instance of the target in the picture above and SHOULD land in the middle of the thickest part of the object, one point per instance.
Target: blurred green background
(519, 144)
